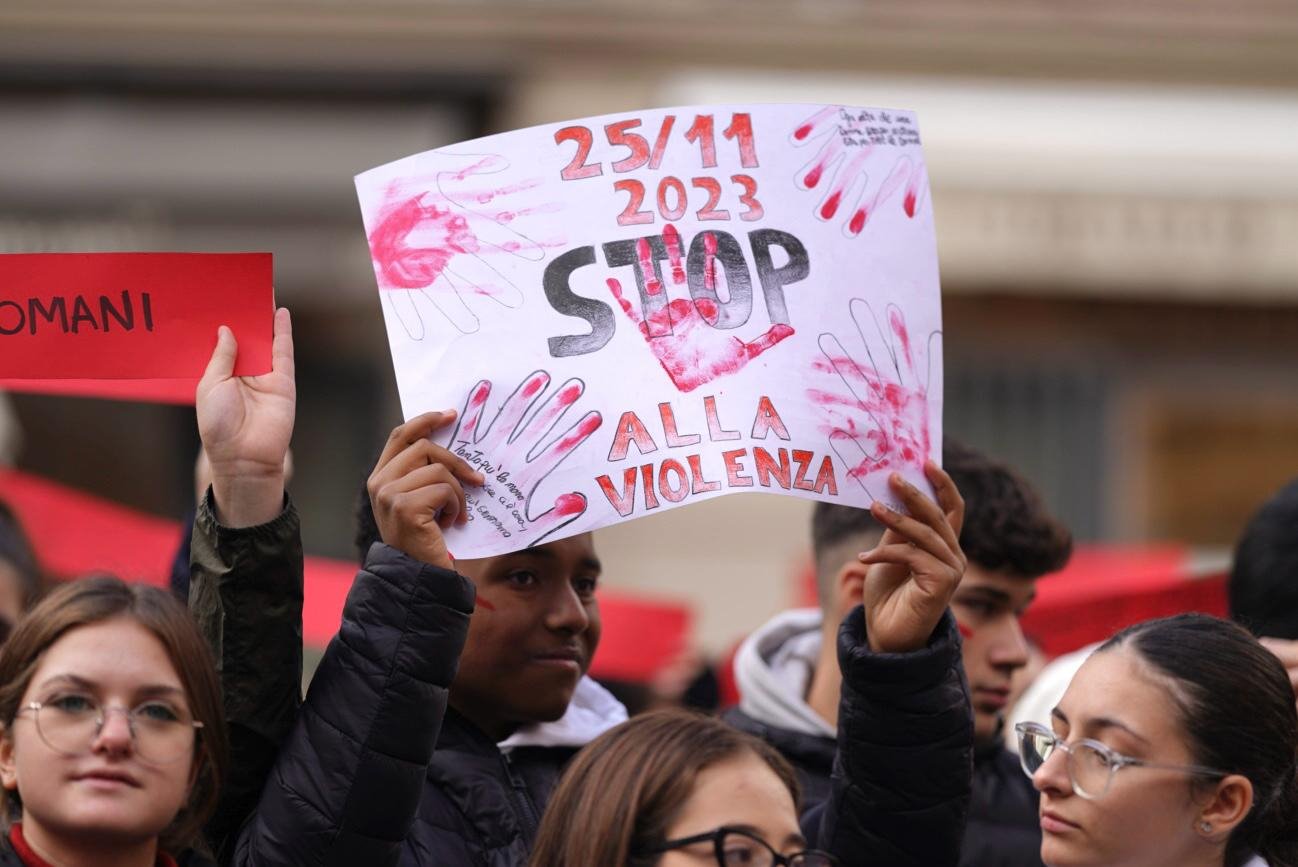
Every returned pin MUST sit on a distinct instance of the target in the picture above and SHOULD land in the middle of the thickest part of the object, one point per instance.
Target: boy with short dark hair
(790, 686)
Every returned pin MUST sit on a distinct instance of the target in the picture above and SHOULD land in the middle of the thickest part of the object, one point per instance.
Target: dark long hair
(95, 600)
(1237, 709)
(621, 792)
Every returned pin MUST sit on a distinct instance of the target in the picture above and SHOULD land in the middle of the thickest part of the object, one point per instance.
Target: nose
(566, 612)
(1009, 649)
(1052, 777)
(115, 735)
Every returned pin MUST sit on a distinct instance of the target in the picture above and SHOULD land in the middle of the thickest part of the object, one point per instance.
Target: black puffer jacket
(1004, 827)
(359, 782)
(245, 591)
(900, 786)
(812, 756)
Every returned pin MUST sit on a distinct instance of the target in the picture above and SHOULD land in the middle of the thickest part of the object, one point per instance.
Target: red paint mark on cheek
(965, 631)
(802, 132)
(813, 176)
(484, 603)
(858, 222)
(830, 207)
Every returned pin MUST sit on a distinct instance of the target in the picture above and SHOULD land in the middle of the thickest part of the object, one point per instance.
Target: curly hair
(1006, 526)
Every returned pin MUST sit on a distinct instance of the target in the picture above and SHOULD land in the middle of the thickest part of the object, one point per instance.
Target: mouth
(1053, 823)
(561, 657)
(108, 778)
(992, 698)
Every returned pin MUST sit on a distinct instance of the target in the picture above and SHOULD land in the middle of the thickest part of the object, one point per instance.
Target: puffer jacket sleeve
(347, 784)
(245, 592)
(902, 774)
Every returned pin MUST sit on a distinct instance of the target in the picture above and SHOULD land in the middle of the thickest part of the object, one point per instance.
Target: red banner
(108, 316)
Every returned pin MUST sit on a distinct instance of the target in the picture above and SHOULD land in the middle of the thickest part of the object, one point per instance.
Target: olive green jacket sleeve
(246, 594)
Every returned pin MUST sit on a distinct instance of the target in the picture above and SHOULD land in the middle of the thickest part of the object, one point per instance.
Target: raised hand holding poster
(639, 311)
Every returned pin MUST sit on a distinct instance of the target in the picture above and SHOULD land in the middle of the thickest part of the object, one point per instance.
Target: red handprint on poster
(850, 168)
(682, 334)
(876, 408)
(517, 450)
(437, 242)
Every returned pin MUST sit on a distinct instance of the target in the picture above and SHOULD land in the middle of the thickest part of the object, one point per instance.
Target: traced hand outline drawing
(519, 442)
(852, 177)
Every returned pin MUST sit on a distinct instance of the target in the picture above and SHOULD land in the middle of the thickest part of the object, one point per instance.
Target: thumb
(221, 365)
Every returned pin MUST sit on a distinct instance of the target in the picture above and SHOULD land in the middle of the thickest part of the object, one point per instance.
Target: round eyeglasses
(736, 847)
(69, 725)
(1091, 764)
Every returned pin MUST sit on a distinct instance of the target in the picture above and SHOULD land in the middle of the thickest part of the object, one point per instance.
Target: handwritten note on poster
(103, 316)
(639, 311)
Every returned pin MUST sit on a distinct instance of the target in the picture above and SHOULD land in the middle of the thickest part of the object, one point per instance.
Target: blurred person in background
(113, 748)
(21, 581)
(789, 679)
(1175, 745)
(1261, 590)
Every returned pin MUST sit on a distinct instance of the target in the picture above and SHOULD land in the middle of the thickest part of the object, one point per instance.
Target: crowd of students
(451, 721)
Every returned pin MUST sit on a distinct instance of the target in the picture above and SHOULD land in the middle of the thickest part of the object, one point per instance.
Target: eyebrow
(152, 689)
(589, 563)
(1103, 722)
(794, 839)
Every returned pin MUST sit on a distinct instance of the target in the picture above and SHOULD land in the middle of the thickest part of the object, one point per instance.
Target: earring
(1206, 827)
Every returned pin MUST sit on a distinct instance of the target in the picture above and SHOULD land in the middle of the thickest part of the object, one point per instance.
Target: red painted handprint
(435, 246)
(681, 333)
(876, 413)
(518, 452)
(848, 173)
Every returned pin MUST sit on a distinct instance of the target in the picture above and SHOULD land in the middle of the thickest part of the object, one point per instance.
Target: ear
(1226, 807)
(8, 767)
(849, 586)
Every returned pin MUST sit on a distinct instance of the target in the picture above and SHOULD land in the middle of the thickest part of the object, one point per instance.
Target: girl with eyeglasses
(113, 747)
(674, 789)
(1176, 745)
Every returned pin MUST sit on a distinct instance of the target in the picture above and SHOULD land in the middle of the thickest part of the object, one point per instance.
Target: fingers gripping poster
(636, 312)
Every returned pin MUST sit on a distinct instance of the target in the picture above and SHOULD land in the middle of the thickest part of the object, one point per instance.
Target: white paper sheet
(640, 311)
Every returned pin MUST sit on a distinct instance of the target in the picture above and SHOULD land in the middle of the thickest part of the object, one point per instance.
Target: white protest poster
(644, 310)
